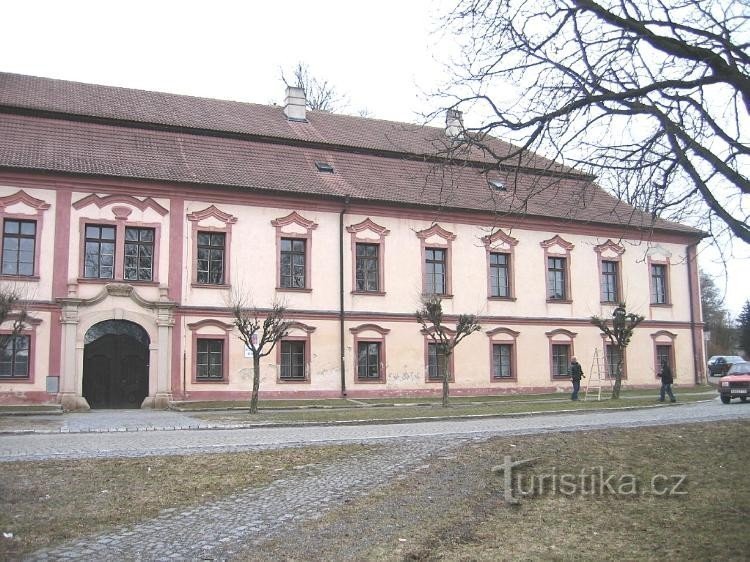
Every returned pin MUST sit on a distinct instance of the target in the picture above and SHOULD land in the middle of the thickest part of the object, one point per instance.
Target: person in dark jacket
(666, 382)
(576, 374)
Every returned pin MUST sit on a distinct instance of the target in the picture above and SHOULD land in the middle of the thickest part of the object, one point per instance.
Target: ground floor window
(14, 357)
(613, 356)
(210, 359)
(437, 362)
(664, 354)
(368, 360)
(502, 365)
(560, 359)
(292, 360)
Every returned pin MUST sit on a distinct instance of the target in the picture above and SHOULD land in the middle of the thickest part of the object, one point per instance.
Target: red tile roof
(155, 136)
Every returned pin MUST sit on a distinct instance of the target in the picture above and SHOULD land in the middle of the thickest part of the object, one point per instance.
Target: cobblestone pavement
(220, 530)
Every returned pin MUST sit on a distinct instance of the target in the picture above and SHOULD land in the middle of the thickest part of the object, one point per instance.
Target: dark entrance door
(115, 371)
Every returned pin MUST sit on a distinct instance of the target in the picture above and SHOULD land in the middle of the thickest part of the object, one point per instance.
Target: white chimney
(294, 104)
(454, 123)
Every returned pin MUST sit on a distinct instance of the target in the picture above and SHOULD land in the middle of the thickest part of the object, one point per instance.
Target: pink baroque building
(130, 217)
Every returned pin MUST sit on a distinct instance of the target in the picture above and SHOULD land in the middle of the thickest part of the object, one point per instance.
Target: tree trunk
(618, 380)
(256, 384)
(446, 377)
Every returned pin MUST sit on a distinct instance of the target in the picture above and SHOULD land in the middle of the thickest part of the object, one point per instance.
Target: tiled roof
(235, 118)
(250, 158)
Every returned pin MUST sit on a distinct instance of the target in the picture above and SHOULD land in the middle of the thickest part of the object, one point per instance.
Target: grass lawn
(453, 508)
(432, 410)
(355, 402)
(46, 502)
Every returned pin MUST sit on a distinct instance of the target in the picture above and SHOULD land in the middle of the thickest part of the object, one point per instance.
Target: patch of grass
(273, 404)
(46, 502)
(456, 409)
(454, 508)
(358, 402)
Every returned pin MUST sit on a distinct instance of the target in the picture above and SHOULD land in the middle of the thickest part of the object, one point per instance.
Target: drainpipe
(691, 261)
(341, 296)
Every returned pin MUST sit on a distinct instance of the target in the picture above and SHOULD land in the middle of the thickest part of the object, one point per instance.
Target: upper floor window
(556, 273)
(499, 277)
(436, 244)
(139, 254)
(367, 267)
(292, 360)
(211, 253)
(658, 283)
(610, 292)
(14, 357)
(99, 258)
(368, 360)
(435, 270)
(293, 258)
(210, 359)
(19, 246)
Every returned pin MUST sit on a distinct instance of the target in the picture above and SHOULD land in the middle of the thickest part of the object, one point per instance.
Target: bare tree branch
(319, 93)
(652, 95)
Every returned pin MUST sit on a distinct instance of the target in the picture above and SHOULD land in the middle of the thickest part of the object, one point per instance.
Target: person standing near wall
(666, 382)
(576, 374)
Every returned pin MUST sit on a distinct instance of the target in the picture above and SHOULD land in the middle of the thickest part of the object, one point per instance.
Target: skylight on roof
(324, 167)
(497, 185)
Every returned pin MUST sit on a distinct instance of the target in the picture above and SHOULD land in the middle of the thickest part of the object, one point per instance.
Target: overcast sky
(386, 57)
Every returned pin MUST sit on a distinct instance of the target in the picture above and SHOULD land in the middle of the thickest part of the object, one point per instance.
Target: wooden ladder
(595, 376)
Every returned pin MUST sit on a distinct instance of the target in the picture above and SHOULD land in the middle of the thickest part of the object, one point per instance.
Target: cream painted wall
(253, 270)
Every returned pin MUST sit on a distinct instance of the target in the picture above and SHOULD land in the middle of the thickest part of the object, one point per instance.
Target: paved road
(145, 443)
(225, 529)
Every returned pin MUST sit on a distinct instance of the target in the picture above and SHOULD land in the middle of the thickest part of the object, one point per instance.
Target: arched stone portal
(116, 365)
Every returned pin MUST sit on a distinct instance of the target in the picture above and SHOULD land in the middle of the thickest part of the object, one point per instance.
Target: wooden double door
(115, 372)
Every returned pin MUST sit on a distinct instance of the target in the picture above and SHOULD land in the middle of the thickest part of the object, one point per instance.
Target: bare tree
(716, 317)
(652, 95)
(319, 93)
(430, 316)
(260, 330)
(12, 309)
(619, 335)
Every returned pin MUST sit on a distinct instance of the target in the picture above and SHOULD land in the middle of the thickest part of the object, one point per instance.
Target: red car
(737, 383)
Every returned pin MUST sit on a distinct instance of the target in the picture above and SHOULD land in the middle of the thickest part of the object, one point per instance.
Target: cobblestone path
(219, 530)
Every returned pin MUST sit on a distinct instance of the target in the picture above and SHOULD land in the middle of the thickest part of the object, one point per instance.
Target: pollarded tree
(620, 332)
(430, 317)
(260, 330)
(652, 96)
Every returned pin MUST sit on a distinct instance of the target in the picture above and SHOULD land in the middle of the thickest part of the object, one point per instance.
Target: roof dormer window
(324, 167)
